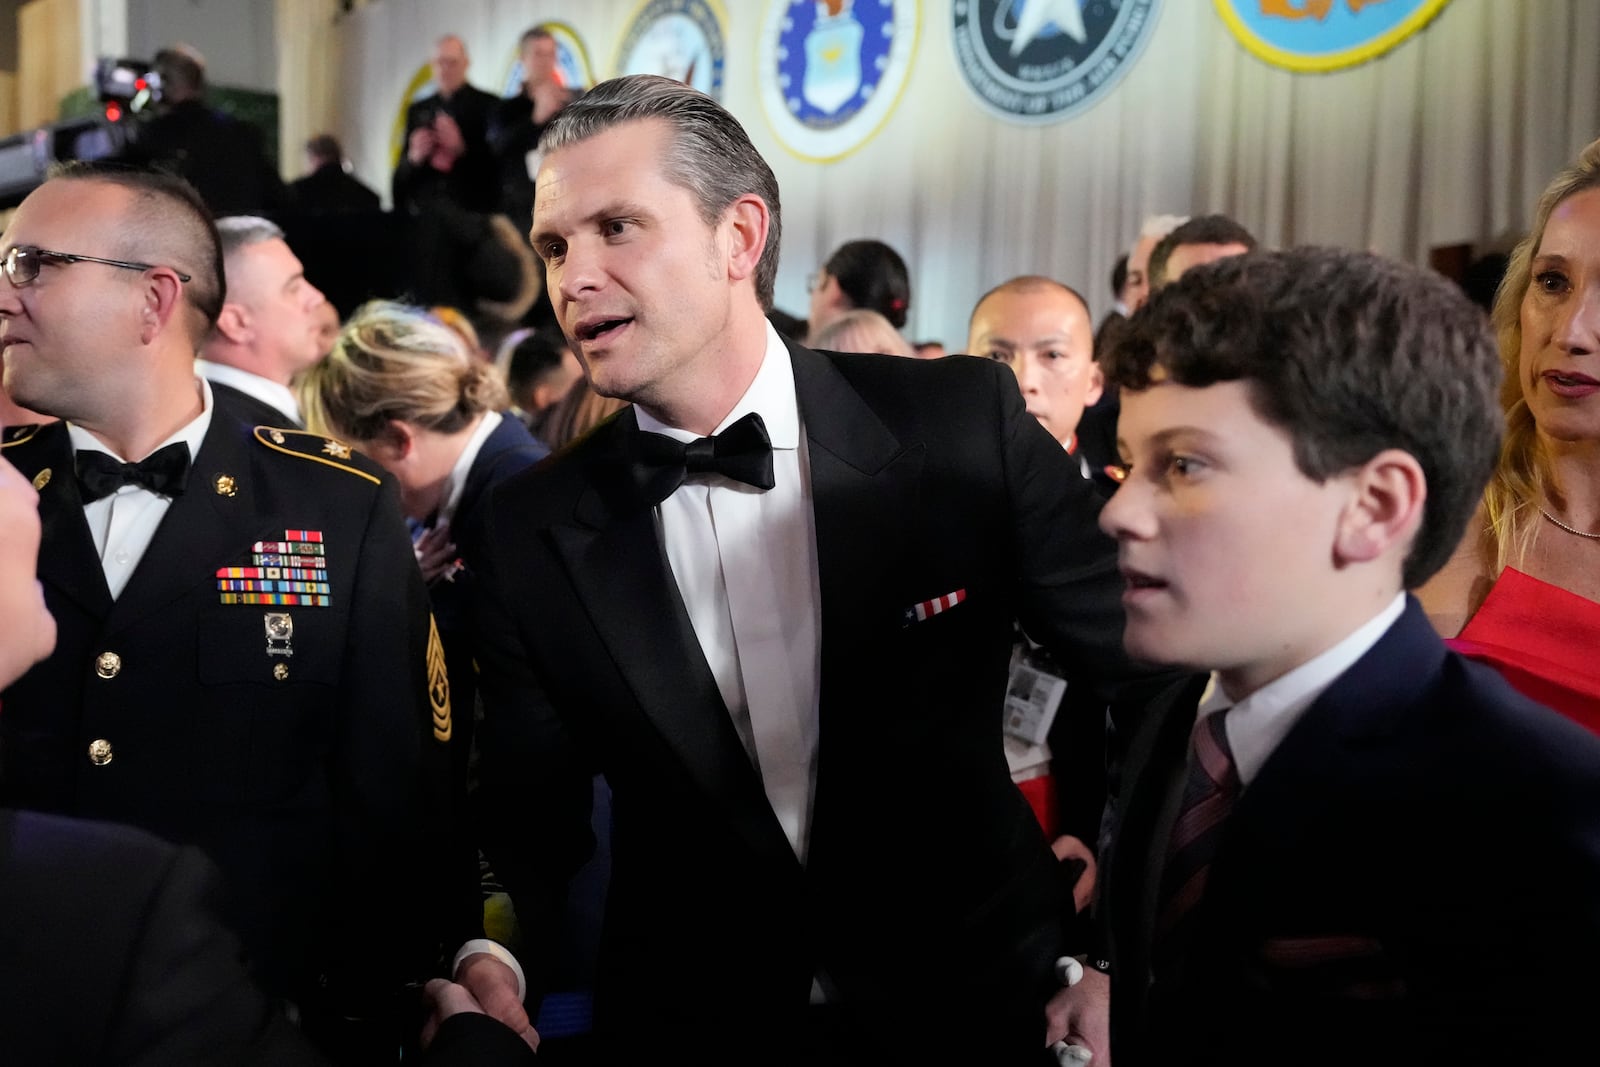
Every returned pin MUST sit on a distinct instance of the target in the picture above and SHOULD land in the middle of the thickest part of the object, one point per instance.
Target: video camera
(126, 90)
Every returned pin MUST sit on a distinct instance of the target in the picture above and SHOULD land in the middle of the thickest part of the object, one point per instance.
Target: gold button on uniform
(280, 672)
(108, 665)
(100, 752)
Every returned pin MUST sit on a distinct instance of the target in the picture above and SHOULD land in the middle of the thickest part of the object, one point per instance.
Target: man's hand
(421, 145)
(448, 137)
(1070, 848)
(1081, 1015)
(447, 999)
(493, 985)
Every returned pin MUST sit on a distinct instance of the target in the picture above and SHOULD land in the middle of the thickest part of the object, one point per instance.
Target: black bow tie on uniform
(163, 471)
(742, 452)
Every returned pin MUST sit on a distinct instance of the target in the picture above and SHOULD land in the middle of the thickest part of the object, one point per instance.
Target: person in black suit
(789, 669)
(517, 122)
(223, 157)
(329, 189)
(1348, 844)
(269, 330)
(447, 152)
(111, 950)
(246, 661)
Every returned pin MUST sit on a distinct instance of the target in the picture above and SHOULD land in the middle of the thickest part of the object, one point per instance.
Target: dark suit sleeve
(468, 1040)
(535, 791)
(1070, 592)
(190, 999)
(391, 776)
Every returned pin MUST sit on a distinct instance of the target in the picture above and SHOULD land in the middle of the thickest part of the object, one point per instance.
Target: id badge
(1032, 698)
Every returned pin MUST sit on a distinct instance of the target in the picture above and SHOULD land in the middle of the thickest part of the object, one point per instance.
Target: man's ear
(163, 295)
(234, 323)
(1097, 384)
(1389, 494)
(747, 221)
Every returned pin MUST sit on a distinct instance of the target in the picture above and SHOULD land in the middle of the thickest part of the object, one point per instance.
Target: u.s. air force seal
(831, 71)
(1036, 61)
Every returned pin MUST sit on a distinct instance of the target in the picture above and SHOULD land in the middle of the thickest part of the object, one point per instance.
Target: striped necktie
(1208, 796)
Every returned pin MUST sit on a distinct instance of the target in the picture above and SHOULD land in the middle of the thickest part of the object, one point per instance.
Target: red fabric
(1040, 794)
(1544, 640)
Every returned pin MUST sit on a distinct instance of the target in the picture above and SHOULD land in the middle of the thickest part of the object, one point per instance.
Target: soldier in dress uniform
(245, 659)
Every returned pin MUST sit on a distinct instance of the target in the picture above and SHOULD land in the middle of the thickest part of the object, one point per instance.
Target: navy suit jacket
(1413, 877)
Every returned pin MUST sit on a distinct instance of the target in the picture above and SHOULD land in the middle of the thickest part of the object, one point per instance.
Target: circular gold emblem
(108, 664)
(100, 752)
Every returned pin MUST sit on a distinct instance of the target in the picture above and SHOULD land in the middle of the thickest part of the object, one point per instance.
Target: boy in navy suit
(1349, 844)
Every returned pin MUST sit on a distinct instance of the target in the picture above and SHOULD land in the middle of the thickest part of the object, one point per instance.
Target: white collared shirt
(1258, 723)
(265, 390)
(455, 485)
(745, 563)
(124, 523)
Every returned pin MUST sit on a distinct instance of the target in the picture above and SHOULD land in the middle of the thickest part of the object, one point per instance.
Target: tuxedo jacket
(111, 952)
(928, 889)
(307, 766)
(1413, 876)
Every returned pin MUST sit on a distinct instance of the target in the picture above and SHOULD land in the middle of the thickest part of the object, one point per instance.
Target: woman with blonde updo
(402, 387)
(1523, 590)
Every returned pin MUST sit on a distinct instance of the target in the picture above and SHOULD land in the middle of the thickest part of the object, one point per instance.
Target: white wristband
(499, 952)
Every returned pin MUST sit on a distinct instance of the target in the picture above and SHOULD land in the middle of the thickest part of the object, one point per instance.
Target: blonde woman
(1523, 590)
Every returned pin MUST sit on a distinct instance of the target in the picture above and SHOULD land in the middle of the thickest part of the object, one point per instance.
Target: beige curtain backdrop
(1447, 139)
(49, 67)
(309, 92)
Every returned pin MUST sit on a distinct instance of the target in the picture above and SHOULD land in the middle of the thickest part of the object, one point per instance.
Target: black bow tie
(163, 471)
(742, 452)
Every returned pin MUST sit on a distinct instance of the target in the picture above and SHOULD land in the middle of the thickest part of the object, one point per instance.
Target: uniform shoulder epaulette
(16, 435)
(314, 447)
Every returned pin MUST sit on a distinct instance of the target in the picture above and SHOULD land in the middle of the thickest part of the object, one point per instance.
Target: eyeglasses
(814, 280)
(22, 263)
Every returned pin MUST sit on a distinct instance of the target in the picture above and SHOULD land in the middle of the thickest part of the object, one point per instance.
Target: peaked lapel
(863, 492)
(201, 531)
(68, 561)
(1156, 768)
(615, 560)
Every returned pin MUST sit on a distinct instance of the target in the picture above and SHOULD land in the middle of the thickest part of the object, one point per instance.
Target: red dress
(1544, 640)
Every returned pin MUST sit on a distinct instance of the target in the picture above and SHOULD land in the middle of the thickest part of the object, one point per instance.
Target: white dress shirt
(455, 484)
(124, 523)
(1258, 723)
(745, 563)
(265, 390)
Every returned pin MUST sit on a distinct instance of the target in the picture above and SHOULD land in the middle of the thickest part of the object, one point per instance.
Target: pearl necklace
(1570, 530)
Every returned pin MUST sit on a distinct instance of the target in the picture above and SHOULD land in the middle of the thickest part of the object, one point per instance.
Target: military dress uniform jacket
(298, 744)
(929, 898)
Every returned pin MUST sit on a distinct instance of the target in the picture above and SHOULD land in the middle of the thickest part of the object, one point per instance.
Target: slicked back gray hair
(710, 154)
(238, 231)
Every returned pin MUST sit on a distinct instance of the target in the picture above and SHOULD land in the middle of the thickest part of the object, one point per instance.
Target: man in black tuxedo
(784, 647)
(1348, 844)
(270, 327)
(246, 661)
